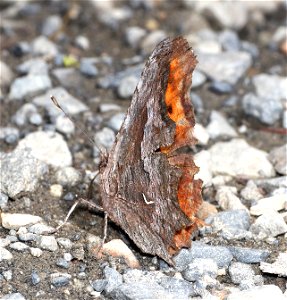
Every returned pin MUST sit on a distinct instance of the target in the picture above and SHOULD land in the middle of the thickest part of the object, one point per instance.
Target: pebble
(43, 46)
(227, 198)
(15, 221)
(202, 160)
(114, 16)
(201, 134)
(198, 79)
(249, 255)
(5, 254)
(237, 158)
(197, 102)
(272, 183)
(221, 255)
(99, 285)
(64, 125)
(3, 201)
(21, 48)
(105, 137)
(279, 267)
(82, 42)
(117, 248)
(219, 126)
(278, 158)
(13, 296)
(47, 243)
(48, 147)
(113, 277)
(51, 25)
(207, 47)
(116, 121)
(226, 67)
(60, 279)
(88, 68)
(67, 77)
(27, 237)
(220, 87)
(264, 205)
(68, 257)
(35, 278)
(199, 268)
(151, 40)
(134, 35)
(127, 87)
(62, 263)
(229, 40)
(251, 192)
(36, 252)
(240, 272)
(18, 246)
(6, 74)
(40, 229)
(35, 66)
(4, 242)
(65, 243)
(69, 196)
(68, 176)
(29, 85)
(258, 292)
(35, 119)
(23, 114)
(107, 107)
(270, 224)
(21, 168)
(9, 134)
(70, 104)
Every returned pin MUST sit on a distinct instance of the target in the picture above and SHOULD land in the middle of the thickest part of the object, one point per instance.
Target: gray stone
(35, 119)
(13, 296)
(197, 102)
(239, 271)
(278, 157)
(251, 48)
(237, 158)
(107, 107)
(114, 279)
(5, 254)
(15, 221)
(40, 229)
(60, 279)
(68, 176)
(43, 46)
(65, 243)
(219, 127)
(116, 121)
(251, 192)
(105, 137)
(198, 79)
(4, 242)
(70, 104)
(23, 114)
(27, 237)
(279, 267)
(99, 285)
(62, 263)
(227, 66)
(267, 110)
(35, 66)
(249, 255)
(273, 203)
(18, 246)
(227, 198)
(47, 243)
(36, 252)
(114, 16)
(35, 278)
(221, 255)
(49, 147)
(272, 183)
(269, 224)
(151, 40)
(88, 68)
(127, 86)
(68, 77)
(9, 134)
(199, 268)
(29, 85)
(221, 87)
(258, 292)
(229, 40)
(51, 25)
(82, 42)
(6, 74)
(134, 35)
(20, 172)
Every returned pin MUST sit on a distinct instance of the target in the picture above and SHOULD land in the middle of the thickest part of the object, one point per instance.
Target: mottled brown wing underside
(148, 188)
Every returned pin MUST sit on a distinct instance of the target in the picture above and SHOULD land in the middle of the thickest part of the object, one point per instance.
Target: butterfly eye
(169, 109)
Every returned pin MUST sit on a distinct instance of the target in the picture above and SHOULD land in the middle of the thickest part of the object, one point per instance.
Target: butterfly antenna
(91, 140)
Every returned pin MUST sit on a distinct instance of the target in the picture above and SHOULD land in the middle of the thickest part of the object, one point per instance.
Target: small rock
(27, 237)
(69, 197)
(13, 296)
(269, 224)
(67, 77)
(4, 242)
(134, 35)
(274, 203)
(68, 176)
(127, 86)
(219, 126)
(105, 137)
(199, 268)
(198, 79)
(114, 279)
(22, 115)
(49, 147)
(207, 47)
(114, 16)
(36, 252)
(35, 278)
(5, 254)
(229, 40)
(65, 243)
(206, 210)
(239, 272)
(6, 74)
(64, 125)
(117, 248)
(258, 292)
(29, 85)
(87, 68)
(43, 46)
(47, 243)
(35, 66)
(231, 101)
(60, 279)
(224, 67)
(68, 256)
(18, 246)
(21, 48)
(249, 255)
(251, 48)
(202, 160)
(278, 158)
(237, 158)
(272, 183)
(3, 201)
(56, 190)
(15, 221)
(103, 108)
(151, 40)
(82, 42)
(40, 229)
(227, 199)
(221, 87)
(99, 285)
(62, 263)
(251, 192)
(52, 25)
(9, 134)
(197, 103)
(116, 121)
(279, 267)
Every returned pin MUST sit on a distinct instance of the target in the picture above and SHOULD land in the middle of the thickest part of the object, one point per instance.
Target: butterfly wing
(147, 186)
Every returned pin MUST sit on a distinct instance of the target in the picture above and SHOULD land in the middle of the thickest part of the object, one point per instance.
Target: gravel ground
(89, 54)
